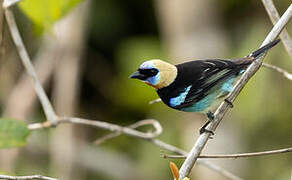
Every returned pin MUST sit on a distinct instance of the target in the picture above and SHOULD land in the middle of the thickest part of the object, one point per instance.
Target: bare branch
(173, 149)
(44, 62)
(274, 16)
(49, 111)
(240, 155)
(207, 164)
(224, 106)
(286, 74)
(104, 125)
(37, 177)
(131, 132)
(132, 126)
(211, 166)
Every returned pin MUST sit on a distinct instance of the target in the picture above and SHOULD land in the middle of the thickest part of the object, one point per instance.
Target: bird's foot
(204, 130)
(229, 102)
(210, 116)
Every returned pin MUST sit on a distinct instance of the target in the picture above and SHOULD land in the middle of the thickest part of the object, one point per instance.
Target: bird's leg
(203, 129)
(229, 102)
(210, 116)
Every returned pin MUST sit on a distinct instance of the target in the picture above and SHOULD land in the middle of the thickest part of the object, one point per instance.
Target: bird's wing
(208, 77)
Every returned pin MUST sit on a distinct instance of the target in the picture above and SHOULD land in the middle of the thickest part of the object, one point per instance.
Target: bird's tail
(263, 49)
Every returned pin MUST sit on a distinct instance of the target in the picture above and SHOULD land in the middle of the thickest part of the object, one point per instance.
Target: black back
(202, 75)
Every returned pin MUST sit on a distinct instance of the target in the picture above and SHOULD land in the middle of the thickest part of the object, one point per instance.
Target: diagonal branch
(224, 106)
(48, 109)
(274, 16)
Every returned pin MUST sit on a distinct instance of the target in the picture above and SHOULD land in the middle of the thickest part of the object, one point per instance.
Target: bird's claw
(210, 115)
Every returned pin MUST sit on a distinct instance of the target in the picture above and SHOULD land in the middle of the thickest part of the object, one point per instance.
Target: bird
(197, 85)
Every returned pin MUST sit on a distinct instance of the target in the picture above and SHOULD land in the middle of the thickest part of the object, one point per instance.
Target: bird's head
(156, 73)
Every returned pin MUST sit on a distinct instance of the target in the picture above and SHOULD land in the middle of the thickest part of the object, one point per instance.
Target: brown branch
(239, 155)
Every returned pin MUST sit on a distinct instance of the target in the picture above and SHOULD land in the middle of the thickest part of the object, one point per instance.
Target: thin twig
(285, 73)
(104, 125)
(26, 177)
(224, 106)
(211, 166)
(48, 109)
(132, 126)
(239, 155)
(173, 149)
(44, 62)
(274, 16)
(131, 132)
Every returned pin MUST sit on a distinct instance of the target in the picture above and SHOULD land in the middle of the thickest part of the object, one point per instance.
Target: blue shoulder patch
(181, 98)
(202, 105)
(228, 85)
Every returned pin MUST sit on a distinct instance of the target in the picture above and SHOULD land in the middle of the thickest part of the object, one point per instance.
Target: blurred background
(84, 61)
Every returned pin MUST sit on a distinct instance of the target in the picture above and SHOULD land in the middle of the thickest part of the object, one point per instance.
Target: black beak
(137, 75)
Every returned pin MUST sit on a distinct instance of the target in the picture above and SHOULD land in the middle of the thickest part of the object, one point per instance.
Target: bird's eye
(148, 72)
(153, 72)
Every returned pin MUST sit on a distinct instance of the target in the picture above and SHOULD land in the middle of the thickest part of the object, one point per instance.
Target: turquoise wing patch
(176, 101)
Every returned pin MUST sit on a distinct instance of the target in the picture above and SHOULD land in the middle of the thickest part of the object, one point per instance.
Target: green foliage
(46, 12)
(13, 133)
